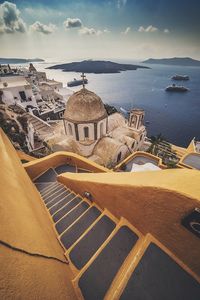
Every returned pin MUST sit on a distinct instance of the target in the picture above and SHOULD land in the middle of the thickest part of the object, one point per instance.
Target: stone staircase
(180, 152)
(110, 258)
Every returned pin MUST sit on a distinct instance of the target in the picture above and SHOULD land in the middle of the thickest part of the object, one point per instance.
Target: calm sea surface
(175, 115)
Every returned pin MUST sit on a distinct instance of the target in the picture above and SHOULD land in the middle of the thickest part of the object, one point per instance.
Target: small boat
(176, 88)
(77, 82)
(180, 77)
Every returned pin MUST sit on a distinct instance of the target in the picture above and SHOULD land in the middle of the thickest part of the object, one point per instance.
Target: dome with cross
(85, 116)
(84, 106)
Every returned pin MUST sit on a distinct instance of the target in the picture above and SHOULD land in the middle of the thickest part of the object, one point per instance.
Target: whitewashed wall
(81, 131)
(104, 124)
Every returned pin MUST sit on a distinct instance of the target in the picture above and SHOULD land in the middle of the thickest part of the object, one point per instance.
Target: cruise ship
(77, 82)
(176, 88)
(180, 77)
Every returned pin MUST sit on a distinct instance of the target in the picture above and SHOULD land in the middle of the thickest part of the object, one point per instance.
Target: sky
(94, 29)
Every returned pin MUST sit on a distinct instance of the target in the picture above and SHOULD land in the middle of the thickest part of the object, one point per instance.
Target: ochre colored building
(72, 229)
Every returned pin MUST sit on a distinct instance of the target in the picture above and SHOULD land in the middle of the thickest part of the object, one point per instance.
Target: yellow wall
(140, 153)
(25, 226)
(191, 147)
(26, 277)
(154, 202)
(183, 165)
(37, 167)
(25, 156)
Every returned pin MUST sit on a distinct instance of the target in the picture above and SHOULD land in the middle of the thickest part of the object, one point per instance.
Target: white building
(90, 132)
(63, 93)
(33, 91)
(17, 90)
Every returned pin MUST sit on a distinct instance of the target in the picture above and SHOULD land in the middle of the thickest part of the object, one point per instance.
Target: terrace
(139, 158)
(191, 160)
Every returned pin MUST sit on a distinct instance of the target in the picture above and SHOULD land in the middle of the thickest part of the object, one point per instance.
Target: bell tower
(136, 118)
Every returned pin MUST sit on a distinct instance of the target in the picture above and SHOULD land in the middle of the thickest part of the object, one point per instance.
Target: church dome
(84, 106)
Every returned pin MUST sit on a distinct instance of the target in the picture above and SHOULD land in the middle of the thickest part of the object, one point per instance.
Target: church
(89, 131)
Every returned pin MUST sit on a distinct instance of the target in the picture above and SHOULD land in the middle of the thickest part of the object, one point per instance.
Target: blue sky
(129, 29)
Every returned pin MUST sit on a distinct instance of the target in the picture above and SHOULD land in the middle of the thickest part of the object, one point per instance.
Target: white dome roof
(84, 106)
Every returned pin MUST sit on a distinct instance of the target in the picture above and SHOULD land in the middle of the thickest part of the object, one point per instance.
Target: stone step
(69, 237)
(66, 208)
(91, 241)
(53, 194)
(156, 274)
(43, 186)
(62, 195)
(79, 170)
(65, 168)
(71, 217)
(49, 187)
(95, 280)
(51, 190)
(59, 204)
(48, 176)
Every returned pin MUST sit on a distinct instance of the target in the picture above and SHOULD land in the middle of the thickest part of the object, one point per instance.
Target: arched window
(101, 129)
(119, 156)
(133, 144)
(86, 132)
(70, 129)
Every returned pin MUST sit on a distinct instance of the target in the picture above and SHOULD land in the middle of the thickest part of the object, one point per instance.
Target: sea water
(175, 115)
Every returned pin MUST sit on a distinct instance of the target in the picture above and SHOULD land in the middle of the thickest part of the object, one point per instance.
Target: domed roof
(84, 106)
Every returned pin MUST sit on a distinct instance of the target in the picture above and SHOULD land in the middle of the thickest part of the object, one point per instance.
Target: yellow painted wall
(37, 167)
(154, 202)
(191, 147)
(26, 277)
(25, 156)
(25, 225)
(138, 154)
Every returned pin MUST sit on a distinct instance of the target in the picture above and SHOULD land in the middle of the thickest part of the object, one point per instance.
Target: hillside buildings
(32, 91)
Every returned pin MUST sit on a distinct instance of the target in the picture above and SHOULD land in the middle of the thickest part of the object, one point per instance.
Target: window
(70, 129)
(133, 144)
(101, 129)
(22, 96)
(119, 156)
(86, 132)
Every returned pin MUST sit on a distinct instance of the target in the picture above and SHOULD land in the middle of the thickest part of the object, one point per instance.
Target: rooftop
(192, 160)
(84, 106)
(13, 81)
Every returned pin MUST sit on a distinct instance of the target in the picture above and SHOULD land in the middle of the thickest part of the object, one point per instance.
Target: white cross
(83, 77)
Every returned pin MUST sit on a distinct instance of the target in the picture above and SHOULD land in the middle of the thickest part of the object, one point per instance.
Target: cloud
(106, 31)
(42, 28)
(166, 30)
(10, 20)
(89, 31)
(121, 3)
(92, 31)
(72, 23)
(150, 28)
(126, 31)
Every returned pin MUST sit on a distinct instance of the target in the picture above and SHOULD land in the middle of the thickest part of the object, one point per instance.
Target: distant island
(96, 66)
(176, 61)
(19, 60)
